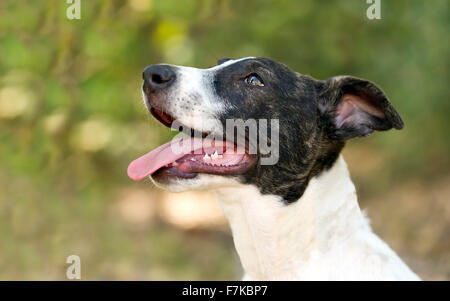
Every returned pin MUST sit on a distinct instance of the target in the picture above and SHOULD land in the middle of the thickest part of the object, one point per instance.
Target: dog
(296, 219)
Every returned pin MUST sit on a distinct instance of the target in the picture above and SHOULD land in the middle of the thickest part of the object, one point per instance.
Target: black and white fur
(298, 219)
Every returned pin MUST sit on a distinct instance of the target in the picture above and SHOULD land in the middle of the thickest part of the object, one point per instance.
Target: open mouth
(189, 156)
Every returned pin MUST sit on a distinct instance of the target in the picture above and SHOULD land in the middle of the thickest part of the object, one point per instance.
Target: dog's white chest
(322, 236)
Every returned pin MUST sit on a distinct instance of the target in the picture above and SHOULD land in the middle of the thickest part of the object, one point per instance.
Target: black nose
(158, 76)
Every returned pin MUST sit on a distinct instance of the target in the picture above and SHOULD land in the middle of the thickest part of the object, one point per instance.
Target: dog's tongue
(152, 161)
(166, 154)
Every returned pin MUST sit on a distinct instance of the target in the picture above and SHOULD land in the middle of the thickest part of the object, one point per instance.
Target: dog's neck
(273, 239)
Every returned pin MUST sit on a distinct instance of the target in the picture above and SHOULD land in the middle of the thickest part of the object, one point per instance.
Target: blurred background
(72, 118)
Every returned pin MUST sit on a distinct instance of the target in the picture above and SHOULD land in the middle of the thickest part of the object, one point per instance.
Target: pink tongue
(166, 154)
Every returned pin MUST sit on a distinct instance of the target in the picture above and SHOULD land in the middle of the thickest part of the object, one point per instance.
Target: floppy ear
(354, 107)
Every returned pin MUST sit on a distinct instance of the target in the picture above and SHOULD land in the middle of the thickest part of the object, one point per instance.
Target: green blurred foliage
(71, 118)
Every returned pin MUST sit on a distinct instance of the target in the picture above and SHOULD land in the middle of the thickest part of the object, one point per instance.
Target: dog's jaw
(199, 183)
(322, 236)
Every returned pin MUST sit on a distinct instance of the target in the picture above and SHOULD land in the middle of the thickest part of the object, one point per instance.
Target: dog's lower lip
(173, 172)
(198, 164)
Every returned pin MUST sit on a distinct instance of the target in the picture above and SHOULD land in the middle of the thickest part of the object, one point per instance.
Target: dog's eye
(254, 80)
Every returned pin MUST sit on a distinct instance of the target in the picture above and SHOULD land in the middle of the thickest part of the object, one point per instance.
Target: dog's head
(292, 126)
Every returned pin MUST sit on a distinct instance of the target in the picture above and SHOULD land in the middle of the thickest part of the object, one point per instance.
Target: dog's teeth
(220, 156)
(193, 159)
(214, 156)
(206, 157)
(174, 163)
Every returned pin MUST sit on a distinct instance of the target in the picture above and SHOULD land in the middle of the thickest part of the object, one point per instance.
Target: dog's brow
(253, 64)
(228, 63)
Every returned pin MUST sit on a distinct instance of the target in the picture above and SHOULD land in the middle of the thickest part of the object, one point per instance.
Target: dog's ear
(223, 60)
(354, 107)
